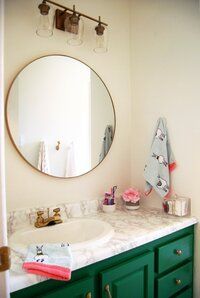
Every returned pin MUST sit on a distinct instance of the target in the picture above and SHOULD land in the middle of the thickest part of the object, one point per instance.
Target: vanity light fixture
(70, 21)
(74, 27)
(44, 28)
(101, 38)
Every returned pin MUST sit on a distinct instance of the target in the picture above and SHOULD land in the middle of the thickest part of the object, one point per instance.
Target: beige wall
(166, 82)
(27, 187)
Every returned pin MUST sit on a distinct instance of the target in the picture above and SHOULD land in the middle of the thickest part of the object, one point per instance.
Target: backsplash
(23, 217)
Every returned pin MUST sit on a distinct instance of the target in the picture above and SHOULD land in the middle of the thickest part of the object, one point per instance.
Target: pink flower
(131, 195)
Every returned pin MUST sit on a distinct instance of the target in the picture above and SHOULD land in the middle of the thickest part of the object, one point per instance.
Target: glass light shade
(75, 37)
(101, 45)
(45, 27)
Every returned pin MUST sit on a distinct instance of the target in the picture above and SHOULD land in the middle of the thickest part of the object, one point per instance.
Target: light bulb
(44, 28)
(74, 28)
(101, 37)
(101, 46)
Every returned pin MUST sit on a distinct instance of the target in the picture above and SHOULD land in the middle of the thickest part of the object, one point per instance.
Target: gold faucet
(50, 220)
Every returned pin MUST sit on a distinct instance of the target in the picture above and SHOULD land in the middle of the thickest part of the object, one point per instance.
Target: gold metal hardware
(178, 281)
(99, 28)
(73, 10)
(178, 252)
(50, 220)
(58, 145)
(88, 295)
(5, 260)
(107, 289)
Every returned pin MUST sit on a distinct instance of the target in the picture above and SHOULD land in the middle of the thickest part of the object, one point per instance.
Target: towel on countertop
(107, 142)
(160, 163)
(52, 260)
(43, 159)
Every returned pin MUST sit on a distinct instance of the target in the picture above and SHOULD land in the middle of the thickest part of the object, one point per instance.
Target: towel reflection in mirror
(44, 164)
(70, 162)
(107, 142)
(70, 169)
(43, 158)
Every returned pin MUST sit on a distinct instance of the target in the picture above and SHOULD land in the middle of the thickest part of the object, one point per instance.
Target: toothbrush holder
(109, 208)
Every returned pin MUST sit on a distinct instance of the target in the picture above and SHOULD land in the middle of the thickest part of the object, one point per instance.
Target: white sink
(79, 233)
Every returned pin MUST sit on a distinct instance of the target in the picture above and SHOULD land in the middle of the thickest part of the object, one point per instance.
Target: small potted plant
(132, 197)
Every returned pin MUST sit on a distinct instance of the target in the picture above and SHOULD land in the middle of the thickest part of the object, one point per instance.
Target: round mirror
(60, 116)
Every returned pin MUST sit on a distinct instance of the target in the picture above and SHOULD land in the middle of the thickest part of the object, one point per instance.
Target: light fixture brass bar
(77, 12)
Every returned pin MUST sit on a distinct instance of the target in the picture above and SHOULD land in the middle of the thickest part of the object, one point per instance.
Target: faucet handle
(39, 220)
(57, 214)
(40, 213)
(56, 210)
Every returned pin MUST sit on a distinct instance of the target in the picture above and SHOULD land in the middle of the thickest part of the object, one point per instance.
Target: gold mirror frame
(7, 122)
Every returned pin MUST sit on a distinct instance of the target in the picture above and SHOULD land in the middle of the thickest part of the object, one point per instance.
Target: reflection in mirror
(60, 116)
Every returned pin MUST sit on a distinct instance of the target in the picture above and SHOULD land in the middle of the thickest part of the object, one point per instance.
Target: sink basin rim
(101, 238)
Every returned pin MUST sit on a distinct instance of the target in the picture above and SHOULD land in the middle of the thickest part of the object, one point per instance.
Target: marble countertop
(132, 229)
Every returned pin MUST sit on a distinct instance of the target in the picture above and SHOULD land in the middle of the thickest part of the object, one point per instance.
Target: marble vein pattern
(132, 229)
(21, 218)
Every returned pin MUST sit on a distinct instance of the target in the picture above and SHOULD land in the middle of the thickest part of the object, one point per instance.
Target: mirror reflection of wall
(58, 98)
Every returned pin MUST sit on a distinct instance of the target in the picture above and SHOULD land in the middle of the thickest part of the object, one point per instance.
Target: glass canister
(179, 206)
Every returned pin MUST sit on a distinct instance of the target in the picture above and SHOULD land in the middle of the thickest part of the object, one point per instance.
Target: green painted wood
(94, 269)
(167, 256)
(167, 284)
(78, 289)
(133, 278)
(185, 294)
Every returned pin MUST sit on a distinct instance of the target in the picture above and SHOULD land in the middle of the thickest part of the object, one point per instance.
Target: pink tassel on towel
(172, 167)
(50, 271)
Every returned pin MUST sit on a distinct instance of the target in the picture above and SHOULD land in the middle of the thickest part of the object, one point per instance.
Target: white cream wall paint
(166, 82)
(25, 186)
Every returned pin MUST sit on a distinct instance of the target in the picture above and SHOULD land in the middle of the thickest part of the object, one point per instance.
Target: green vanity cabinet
(133, 278)
(83, 288)
(162, 268)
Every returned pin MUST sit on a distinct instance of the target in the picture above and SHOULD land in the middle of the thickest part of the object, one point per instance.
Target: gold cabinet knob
(88, 295)
(178, 252)
(178, 281)
(107, 289)
(56, 210)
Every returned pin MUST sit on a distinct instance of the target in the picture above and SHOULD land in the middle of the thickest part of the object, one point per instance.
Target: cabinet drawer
(186, 294)
(175, 281)
(174, 253)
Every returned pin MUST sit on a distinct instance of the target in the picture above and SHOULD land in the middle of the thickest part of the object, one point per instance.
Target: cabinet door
(83, 288)
(131, 279)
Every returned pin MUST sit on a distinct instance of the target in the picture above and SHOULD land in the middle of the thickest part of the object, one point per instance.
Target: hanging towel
(53, 260)
(160, 163)
(107, 141)
(70, 161)
(43, 160)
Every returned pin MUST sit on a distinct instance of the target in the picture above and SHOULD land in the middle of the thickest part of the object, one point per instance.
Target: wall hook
(58, 145)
